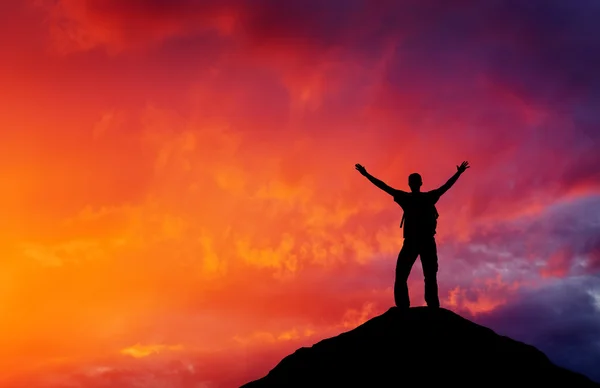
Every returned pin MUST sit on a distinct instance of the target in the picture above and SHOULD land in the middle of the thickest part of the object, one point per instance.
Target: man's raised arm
(459, 170)
(375, 181)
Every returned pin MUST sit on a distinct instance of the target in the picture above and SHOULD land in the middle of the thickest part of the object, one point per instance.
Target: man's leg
(429, 261)
(406, 258)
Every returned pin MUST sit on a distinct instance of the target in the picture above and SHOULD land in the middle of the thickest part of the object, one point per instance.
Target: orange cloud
(140, 351)
(484, 296)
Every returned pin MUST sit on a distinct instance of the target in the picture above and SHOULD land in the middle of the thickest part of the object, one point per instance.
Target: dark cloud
(545, 51)
(560, 241)
(562, 320)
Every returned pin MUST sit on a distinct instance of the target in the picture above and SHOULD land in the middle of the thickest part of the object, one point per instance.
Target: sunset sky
(179, 204)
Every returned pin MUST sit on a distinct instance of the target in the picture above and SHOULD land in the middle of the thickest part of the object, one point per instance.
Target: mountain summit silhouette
(419, 346)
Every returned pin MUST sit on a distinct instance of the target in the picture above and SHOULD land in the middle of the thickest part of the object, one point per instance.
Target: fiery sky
(179, 205)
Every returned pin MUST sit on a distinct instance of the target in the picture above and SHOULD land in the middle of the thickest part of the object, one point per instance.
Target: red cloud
(559, 264)
(84, 24)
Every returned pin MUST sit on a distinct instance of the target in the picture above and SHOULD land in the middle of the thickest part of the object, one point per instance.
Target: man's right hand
(360, 169)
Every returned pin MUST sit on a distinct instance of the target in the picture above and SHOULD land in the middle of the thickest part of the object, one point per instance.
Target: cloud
(187, 174)
(513, 49)
(558, 241)
(562, 320)
(193, 244)
(140, 351)
(90, 23)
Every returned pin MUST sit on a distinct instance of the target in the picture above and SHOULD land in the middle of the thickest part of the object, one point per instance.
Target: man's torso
(420, 215)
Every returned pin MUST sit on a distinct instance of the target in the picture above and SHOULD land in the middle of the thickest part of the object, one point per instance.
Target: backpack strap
(402, 222)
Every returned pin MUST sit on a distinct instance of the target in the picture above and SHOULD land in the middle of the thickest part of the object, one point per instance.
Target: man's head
(415, 182)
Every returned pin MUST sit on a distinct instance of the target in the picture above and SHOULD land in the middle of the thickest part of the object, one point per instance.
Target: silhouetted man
(420, 221)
